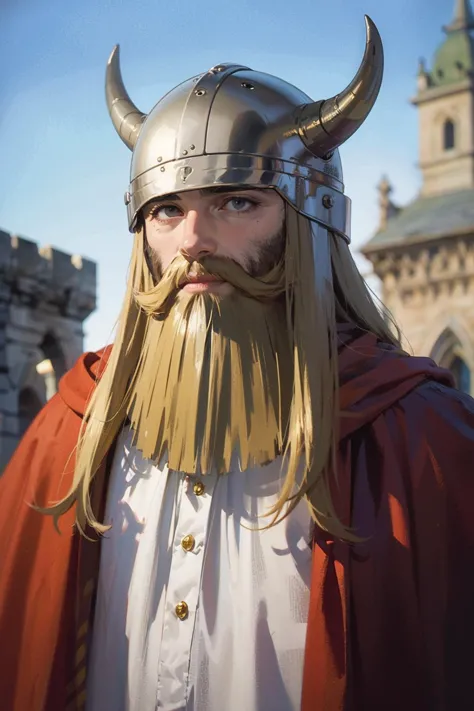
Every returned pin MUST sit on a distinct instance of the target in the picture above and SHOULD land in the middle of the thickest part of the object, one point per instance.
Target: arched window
(462, 374)
(54, 359)
(52, 351)
(450, 353)
(29, 405)
(448, 135)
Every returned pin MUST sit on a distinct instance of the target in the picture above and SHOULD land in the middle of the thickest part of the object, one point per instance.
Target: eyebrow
(218, 190)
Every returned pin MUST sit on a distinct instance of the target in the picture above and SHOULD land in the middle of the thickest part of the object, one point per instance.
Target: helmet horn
(325, 125)
(125, 116)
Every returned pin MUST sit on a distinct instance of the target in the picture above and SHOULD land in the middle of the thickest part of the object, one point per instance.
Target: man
(264, 503)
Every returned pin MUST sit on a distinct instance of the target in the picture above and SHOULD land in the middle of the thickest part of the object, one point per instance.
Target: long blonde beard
(214, 381)
(305, 283)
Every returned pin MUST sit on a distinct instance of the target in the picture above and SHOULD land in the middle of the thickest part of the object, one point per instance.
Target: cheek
(161, 244)
(245, 244)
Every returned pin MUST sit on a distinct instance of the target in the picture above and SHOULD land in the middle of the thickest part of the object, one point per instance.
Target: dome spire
(463, 17)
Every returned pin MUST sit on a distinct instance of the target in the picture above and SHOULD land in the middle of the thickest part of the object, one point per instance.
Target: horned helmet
(233, 126)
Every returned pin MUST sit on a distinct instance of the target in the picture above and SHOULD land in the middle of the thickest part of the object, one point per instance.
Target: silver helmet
(238, 127)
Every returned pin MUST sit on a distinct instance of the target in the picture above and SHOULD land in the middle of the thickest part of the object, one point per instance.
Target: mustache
(159, 300)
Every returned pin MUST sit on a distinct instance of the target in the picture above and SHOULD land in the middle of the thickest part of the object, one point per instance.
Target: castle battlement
(46, 276)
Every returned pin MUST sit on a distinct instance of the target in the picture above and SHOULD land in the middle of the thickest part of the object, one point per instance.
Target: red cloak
(390, 621)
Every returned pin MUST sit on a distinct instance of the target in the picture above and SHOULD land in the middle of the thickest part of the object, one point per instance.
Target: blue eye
(240, 204)
(166, 212)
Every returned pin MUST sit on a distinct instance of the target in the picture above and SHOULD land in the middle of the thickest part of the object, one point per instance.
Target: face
(246, 226)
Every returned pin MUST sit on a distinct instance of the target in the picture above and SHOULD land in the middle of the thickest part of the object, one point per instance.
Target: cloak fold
(43, 574)
(391, 620)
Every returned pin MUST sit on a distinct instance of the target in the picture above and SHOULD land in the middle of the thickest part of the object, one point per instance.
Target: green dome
(454, 60)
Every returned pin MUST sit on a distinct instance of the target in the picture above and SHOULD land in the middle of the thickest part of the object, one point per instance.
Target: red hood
(373, 377)
(76, 386)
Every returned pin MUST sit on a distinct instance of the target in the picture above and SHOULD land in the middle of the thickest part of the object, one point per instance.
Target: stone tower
(423, 253)
(45, 295)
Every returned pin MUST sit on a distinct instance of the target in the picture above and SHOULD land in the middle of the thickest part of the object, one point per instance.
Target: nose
(197, 240)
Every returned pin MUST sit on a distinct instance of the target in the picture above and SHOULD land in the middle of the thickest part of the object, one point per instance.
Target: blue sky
(64, 170)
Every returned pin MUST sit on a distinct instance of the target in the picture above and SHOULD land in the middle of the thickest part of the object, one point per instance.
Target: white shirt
(241, 645)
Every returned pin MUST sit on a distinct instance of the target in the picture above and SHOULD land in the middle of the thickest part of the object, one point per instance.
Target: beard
(215, 374)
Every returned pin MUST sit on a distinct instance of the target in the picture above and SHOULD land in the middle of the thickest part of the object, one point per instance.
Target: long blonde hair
(324, 285)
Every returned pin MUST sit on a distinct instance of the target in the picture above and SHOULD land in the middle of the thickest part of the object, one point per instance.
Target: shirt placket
(182, 596)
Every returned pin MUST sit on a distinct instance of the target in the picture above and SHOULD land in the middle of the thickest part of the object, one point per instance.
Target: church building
(423, 253)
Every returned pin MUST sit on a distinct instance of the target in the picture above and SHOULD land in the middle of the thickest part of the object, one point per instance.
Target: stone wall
(429, 288)
(45, 295)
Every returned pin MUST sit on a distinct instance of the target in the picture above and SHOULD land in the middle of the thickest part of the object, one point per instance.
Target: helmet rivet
(162, 168)
(127, 198)
(159, 159)
(328, 201)
(200, 92)
(246, 85)
(185, 153)
(192, 147)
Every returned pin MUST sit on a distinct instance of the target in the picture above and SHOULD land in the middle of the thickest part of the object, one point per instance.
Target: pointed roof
(454, 59)
(425, 219)
(463, 17)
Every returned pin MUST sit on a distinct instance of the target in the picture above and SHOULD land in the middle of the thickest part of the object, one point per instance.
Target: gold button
(198, 488)
(188, 542)
(181, 610)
